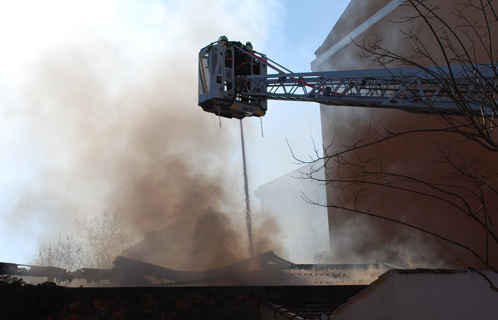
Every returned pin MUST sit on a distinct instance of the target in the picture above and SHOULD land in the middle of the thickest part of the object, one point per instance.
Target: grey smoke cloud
(111, 114)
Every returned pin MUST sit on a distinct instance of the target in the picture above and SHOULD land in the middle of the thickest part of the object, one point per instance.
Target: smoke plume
(114, 124)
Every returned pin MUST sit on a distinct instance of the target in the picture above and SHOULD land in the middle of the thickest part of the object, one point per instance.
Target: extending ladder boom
(236, 92)
(408, 89)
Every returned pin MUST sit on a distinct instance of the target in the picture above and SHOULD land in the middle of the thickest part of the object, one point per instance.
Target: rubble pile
(263, 287)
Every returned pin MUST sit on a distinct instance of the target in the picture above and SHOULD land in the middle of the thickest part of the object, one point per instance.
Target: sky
(119, 41)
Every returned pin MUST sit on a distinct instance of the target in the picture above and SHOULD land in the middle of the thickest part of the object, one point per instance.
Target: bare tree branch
(436, 40)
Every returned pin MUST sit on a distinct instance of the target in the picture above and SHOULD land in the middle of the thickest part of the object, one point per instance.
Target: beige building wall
(356, 238)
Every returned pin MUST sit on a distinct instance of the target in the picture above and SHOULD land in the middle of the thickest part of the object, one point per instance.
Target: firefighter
(248, 46)
(255, 62)
(243, 60)
(228, 53)
(228, 59)
(243, 64)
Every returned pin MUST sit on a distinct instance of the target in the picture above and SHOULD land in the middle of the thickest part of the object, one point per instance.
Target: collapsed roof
(263, 269)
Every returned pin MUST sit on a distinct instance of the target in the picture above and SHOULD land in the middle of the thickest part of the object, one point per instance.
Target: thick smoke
(115, 125)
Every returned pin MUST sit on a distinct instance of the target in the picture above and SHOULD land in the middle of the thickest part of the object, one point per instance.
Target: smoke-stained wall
(357, 238)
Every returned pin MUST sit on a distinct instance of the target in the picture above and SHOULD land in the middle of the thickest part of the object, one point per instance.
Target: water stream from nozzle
(246, 190)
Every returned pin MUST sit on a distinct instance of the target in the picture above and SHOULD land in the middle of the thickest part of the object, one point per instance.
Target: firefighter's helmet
(223, 39)
(248, 46)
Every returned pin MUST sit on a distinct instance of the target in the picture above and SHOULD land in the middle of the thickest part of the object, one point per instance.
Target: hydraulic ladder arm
(231, 93)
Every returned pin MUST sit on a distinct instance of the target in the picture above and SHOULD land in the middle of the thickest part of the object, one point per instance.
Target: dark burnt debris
(263, 287)
(263, 269)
